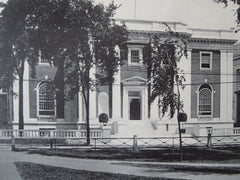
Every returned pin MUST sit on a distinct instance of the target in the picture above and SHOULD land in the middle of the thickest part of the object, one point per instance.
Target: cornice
(150, 21)
(227, 41)
(183, 34)
(150, 33)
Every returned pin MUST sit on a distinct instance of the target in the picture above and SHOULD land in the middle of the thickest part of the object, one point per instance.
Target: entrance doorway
(134, 105)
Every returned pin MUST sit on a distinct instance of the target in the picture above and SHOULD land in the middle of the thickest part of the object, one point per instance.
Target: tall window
(46, 101)
(42, 60)
(134, 56)
(205, 100)
(205, 60)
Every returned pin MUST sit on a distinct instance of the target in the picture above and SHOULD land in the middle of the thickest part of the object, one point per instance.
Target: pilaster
(16, 102)
(226, 85)
(185, 94)
(154, 110)
(80, 108)
(92, 96)
(116, 96)
(125, 104)
(145, 104)
(26, 100)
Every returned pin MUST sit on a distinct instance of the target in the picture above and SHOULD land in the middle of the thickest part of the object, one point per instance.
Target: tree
(99, 52)
(15, 49)
(162, 58)
(68, 35)
(237, 2)
(107, 55)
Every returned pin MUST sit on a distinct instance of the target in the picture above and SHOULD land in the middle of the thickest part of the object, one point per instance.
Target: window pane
(205, 65)
(205, 60)
(205, 101)
(46, 99)
(42, 60)
(134, 56)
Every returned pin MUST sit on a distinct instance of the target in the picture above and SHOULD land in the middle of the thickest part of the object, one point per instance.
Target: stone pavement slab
(8, 171)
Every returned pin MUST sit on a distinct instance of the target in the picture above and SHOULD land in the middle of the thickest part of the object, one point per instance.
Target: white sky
(196, 13)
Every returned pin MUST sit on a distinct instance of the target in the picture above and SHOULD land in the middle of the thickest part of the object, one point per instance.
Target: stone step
(141, 129)
(5, 147)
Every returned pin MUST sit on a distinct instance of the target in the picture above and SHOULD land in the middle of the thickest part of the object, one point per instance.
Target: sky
(195, 13)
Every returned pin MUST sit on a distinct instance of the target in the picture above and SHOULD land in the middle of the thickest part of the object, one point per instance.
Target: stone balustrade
(8, 133)
(224, 131)
(210, 33)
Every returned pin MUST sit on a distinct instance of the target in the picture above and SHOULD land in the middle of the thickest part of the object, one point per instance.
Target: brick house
(207, 96)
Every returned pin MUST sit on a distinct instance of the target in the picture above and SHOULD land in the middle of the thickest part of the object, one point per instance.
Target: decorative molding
(135, 81)
(227, 41)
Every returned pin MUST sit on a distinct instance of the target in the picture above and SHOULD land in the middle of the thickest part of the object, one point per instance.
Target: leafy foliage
(14, 46)
(226, 2)
(67, 33)
(163, 55)
(15, 49)
(107, 51)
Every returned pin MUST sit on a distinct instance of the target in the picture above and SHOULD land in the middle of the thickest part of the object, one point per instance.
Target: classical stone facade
(207, 96)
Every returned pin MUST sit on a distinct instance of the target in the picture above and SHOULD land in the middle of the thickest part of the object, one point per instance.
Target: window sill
(135, 64)
(205, 69)
(46, 118)
(205, 117)
(44, 64)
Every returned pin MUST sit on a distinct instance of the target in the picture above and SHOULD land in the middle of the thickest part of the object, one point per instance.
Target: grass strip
(32, 171)
(187, 168)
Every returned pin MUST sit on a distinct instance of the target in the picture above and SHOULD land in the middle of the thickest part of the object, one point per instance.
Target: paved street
(8, 170)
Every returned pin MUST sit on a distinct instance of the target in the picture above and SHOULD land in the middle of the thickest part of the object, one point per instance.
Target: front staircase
(140, 128)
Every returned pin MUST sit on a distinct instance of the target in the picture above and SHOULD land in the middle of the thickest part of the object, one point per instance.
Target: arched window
(205, 100)
(46, 101)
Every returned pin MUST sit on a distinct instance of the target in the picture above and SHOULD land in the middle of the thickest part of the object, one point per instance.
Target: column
(125, 104)
(154, 110)
(26, 113)
(145, 110)
(80, 108)
(16, 103)
(226, 85)
(116, 96)
(92, 96)
(185, 94)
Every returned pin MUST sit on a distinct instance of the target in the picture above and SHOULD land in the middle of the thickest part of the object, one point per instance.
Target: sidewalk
(157, 169)
(8, 170)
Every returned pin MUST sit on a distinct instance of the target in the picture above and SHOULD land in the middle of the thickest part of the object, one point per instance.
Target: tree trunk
(110, 99)
(21, 118)
(179, 124)
(87, 118)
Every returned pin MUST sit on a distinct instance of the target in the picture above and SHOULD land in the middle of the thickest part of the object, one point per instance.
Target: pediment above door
(135, 81)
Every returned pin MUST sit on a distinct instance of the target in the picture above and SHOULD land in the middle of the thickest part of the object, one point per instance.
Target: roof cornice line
(231, 41)
(149, 21)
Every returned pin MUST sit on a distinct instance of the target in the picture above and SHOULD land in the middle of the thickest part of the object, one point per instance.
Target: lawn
(31, 171)
(193, 154)
(190, 154)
